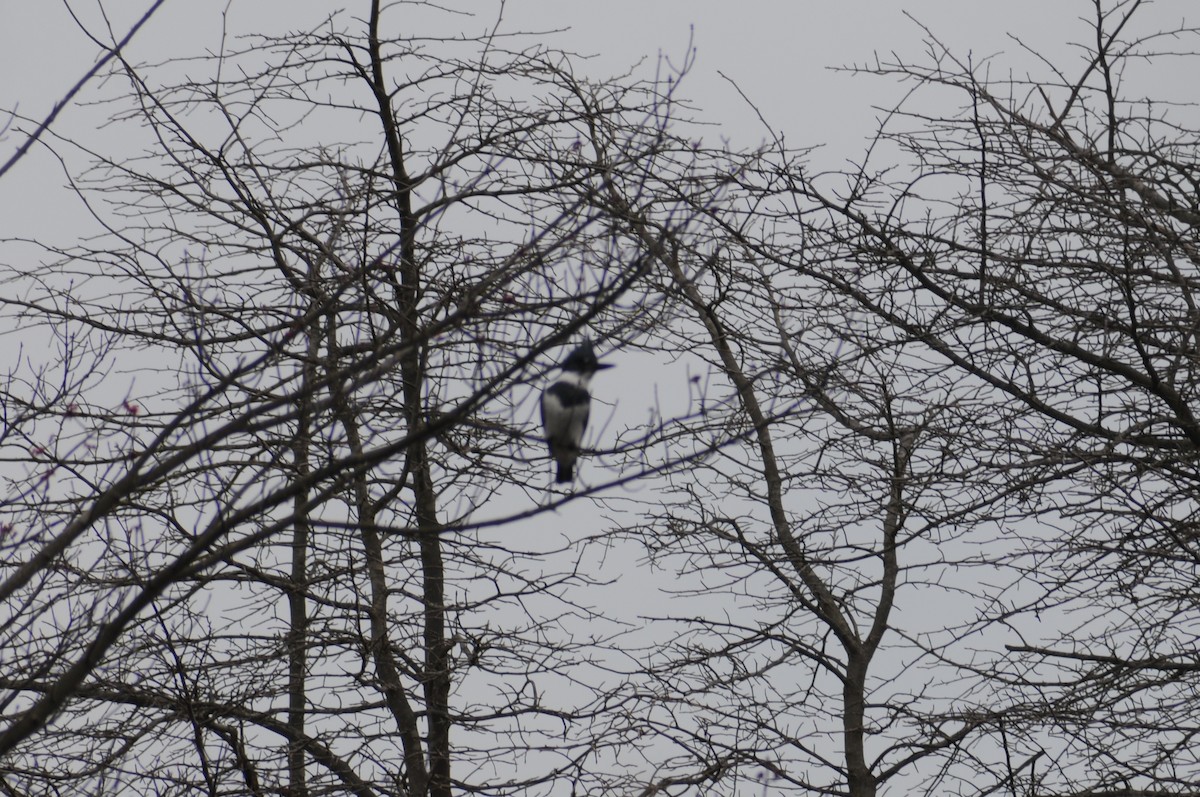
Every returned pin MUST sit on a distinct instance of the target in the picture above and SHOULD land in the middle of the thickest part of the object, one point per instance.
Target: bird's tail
(566, 471)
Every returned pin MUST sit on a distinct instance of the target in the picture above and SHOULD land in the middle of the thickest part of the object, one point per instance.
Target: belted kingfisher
(565, 407)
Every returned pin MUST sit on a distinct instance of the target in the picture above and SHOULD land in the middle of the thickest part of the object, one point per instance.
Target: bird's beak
(602, 366)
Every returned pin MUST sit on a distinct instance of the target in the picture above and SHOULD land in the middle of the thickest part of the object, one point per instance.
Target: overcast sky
(781, 55)
(777, 52)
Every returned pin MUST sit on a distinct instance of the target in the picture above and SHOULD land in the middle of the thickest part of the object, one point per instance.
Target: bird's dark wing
(569, 395)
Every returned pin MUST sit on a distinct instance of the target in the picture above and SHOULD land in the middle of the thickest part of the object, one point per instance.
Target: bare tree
(995, 333)
(946, 544)
(280, 561)
(842, 494)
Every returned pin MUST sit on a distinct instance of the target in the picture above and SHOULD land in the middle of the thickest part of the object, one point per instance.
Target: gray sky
(777, 52)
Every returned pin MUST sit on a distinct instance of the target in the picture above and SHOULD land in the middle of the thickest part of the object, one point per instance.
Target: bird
(566, 403)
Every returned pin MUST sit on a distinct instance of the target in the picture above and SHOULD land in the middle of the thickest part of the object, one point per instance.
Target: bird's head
(583, 360)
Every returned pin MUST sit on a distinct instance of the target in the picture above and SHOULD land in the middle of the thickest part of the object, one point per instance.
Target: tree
(962, 380)
(266, 567)
(844, 492)
(1023, 281)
